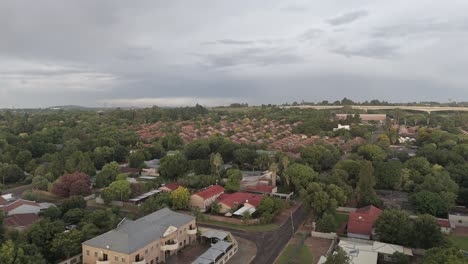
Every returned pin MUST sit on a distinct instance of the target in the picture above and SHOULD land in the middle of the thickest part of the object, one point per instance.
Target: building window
(157, 245)
(87, 252)
(123, 260)
(146, 251)
(116, 258)
(95, 254)
(152, 261)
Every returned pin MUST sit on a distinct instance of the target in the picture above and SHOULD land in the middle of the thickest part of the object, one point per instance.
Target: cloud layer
(108, 53)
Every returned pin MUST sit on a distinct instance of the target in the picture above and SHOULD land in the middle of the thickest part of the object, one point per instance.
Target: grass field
(303, 255)
(267, 227)
(341, 218)
(459, 241)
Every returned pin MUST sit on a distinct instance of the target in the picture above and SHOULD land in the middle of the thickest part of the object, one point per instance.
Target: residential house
(21, 206)
(234, 201)
(345, 127)
(458, 217)
(445, 226)
(361, 222)
(20, 221)
(147, 240)
(204, 198)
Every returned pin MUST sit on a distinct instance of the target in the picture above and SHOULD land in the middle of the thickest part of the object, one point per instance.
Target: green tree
(400, 258)
(107, 175)
(121, 190)
(136, 160)
(155, 203)
(437, 204)
(10, 253)
(40, 182)
(372, 152)
(388, 174)
(394, 226)
(217, 161)
(67, 244)
(180, 198)
(426, 232)
(173, 166)
(365, 187)
(233, 181)
(339, 257)
(327, 223)
(443, 256)
(244, 156)
(300, 175)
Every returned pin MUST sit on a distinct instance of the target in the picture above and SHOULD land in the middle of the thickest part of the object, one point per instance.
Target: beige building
(148, 240)
(206, 197)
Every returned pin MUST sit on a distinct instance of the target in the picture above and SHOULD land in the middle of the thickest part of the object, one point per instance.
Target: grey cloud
(234, 42)
(254, 56)
(347, 17)
(421, 27)
(374, 49)
(310, 34)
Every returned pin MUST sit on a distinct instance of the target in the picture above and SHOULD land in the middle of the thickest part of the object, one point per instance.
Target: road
(376, 134)
(427, 109)
(269, 243)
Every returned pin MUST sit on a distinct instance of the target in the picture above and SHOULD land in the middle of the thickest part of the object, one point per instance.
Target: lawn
(267, 227)
(302, 256)
(341, 218)
(459, 241)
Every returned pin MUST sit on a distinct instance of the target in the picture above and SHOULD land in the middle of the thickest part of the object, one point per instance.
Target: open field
(459, 241)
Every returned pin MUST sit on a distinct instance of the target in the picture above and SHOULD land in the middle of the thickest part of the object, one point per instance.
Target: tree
(67, 244)
(72, 203)
(320, 157)
(400, 258)
(73, 216)
(53, 213)
(155, 203)
(285, 165)
(372, 152)
(173, 166)
(107, 175)
(244, 156)
(426, 232)
(11, 253)
(339, 257)
(437, 204)
(215, 208)
(217, 161)
(42, 233)
(388, 174)
(262, 162)
(300, 175)
(246, 216)
(197, 149)
(80, 162)
(40, 182)
(121, 190)
(180, 198)
(365, 187)
(11, 173)
(233, 181)
(394, 226)
(274, 170)
(22, 158)
(327, 223)
(77, 183)
(136, 160)
(420, 164)
(443, 256)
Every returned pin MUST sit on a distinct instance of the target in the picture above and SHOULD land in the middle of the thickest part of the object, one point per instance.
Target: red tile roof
(172, 186)
(443, 222)
(210, 191)
(362, 221)
(240, 198)
(3, 201)
(21, 220)
(18, 203)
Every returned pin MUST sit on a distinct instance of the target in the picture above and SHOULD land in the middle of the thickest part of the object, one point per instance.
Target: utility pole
(292, 224)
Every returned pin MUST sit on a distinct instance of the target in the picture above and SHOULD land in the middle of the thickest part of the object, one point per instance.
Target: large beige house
(147, 240)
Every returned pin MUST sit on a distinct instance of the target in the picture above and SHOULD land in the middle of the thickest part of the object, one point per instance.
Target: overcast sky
(140, 53)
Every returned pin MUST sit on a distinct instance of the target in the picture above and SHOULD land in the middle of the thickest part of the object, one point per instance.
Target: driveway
(269, 243)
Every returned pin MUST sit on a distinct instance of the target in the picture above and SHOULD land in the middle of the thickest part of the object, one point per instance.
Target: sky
(111, 53)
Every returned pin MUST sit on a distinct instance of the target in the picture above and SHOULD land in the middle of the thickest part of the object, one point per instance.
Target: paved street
(270, 243)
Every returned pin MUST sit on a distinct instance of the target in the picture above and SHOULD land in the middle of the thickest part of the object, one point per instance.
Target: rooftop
(210, 191)
(361, 221)
(240, 198)
(130, 235)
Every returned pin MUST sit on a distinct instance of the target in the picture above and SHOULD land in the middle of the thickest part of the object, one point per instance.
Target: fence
(324, 235)
(78, 259)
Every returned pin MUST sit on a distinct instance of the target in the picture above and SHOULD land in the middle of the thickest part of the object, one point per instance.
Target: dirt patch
(318, 246)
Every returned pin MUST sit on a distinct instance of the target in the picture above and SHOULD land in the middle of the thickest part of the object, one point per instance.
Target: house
(361, 222)
(369, 252)
(21, 206)
(458, 217)
(204, 198)
(169, 187)
(445, 226)
(20, 221)
(150, 239)
(234, 201)
(263, 189)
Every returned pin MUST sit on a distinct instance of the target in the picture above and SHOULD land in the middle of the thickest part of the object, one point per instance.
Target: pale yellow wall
(149, 252)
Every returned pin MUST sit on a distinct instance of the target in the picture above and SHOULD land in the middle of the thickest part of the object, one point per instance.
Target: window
(157, 245)
(95, 254)
(116, 258)
(146, 251)
(123, 260)
(87, 252)
(152, 261)
(180, 244)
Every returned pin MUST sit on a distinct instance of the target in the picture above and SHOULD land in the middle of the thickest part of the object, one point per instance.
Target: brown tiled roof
(21, 220)
(18, 203)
